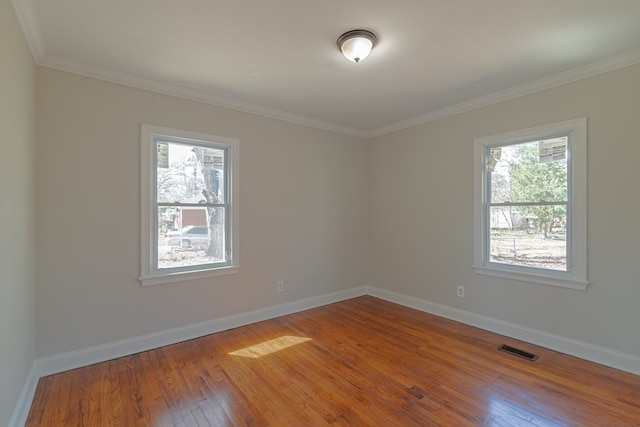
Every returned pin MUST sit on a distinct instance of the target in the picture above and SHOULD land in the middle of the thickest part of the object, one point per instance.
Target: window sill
(568, 282)
(183, 276)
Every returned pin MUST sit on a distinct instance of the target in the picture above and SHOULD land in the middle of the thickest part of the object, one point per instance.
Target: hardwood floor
(362, 362)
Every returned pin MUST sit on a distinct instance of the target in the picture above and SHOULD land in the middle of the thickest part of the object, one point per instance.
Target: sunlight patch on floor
(268, 347)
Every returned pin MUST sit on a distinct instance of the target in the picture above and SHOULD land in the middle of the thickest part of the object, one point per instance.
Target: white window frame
(576, 275)
(150, 274)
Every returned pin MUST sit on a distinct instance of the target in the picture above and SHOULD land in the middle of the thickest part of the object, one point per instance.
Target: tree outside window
(189, 221)
(530, 204)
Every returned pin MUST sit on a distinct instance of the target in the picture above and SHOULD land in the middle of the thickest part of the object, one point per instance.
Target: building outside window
(530, 204)
(189, 205)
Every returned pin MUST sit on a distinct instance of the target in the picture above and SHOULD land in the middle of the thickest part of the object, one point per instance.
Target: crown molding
(193, 94)
(27, 16)
(601, 67)
(28, 19)
(607, 65)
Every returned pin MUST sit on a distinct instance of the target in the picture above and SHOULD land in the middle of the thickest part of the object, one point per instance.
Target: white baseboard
(21, 411)
(593, 353)
(100, 353)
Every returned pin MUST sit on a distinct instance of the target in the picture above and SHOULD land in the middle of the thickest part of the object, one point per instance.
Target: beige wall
(321, 211)
(303, 214)
(421, 213)
(17, 192)
(314, 205)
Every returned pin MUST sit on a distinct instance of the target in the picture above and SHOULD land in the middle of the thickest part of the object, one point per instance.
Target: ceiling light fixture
(356, 45)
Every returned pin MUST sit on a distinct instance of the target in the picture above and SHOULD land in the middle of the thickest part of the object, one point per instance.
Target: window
(530, 204)
(189, 205)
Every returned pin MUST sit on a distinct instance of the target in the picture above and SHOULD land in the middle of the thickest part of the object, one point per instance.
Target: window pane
(530, 172)
(533, 236)
(189, 173)
(191, 236)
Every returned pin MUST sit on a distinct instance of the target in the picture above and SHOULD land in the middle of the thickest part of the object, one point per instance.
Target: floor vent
(518, 352)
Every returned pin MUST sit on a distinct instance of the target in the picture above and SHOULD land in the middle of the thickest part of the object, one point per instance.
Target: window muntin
(528, 201)
(530, 204)
(189, 220)
(190, 190)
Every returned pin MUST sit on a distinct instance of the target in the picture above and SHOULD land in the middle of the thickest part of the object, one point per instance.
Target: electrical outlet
(280, 286)
(461, 291)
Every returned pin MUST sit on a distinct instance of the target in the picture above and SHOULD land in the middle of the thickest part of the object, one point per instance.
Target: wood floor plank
(361, 362)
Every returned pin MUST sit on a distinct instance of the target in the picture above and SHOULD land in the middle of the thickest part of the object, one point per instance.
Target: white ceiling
(279, 57)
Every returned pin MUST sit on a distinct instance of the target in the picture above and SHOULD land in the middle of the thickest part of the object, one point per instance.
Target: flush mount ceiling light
(356, 44)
